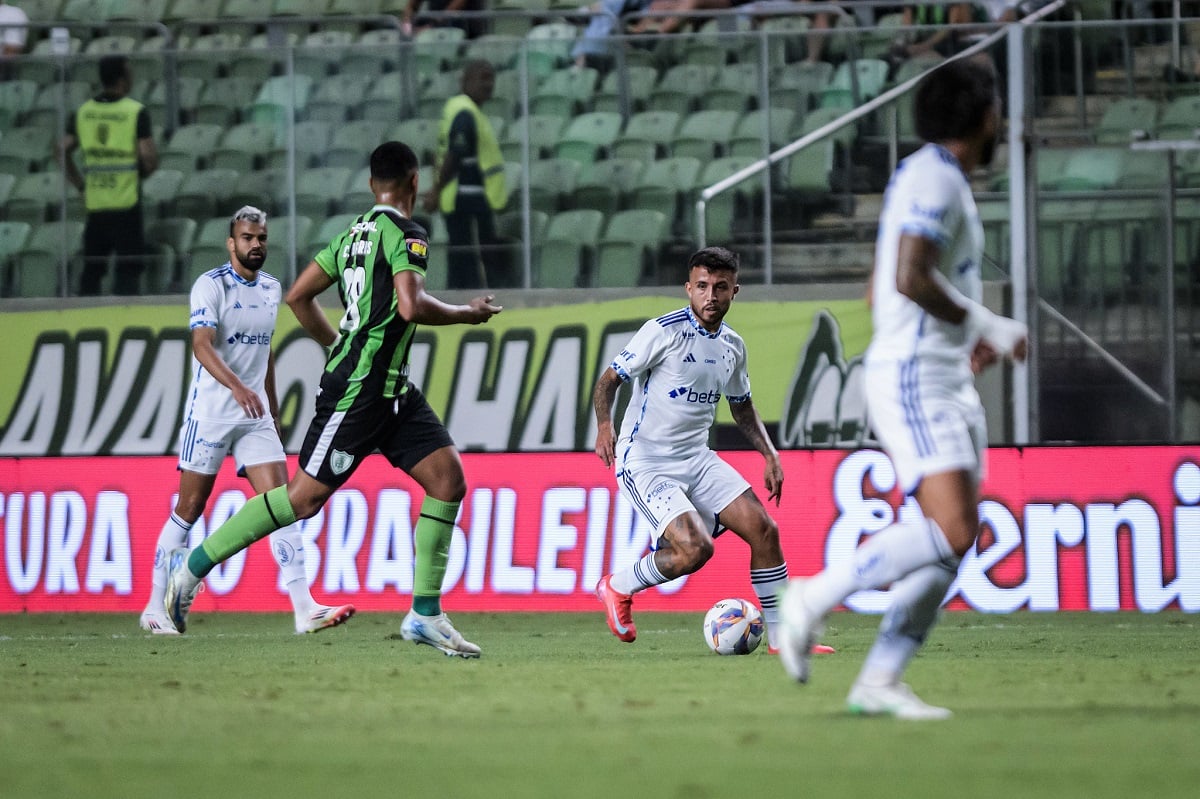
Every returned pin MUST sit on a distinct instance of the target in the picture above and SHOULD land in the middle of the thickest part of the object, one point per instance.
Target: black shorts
(403, 429)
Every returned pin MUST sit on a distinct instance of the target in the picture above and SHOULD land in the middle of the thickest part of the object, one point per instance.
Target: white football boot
(438, 632)
(896, 699)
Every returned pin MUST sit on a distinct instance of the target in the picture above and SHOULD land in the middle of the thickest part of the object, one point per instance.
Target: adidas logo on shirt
(689, 358)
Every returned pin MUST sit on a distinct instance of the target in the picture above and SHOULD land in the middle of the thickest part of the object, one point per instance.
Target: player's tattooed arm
(745, 415)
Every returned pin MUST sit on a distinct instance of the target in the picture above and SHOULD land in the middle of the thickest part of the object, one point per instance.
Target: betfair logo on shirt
(250, 338)
(688, 394)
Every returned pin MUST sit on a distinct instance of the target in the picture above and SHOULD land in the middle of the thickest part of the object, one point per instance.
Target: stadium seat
(178, 11)
(551, 181)
(205, 193)
(377, 51)
(664, 184)
(312, 139)
(748, 137)
(55, 99)
(12, 239)
(354, 141)
(284, 232)
(587, 135)
(628, 247)
(38, 265)
(1125, 119)
(419, 134)
(243, 147)
(324, 232)
(1091, 169)
(808, 174)
(543, 132)
(786, 42)
(500, 51)
(32, 195)
(333, 97)
(158, 192)
(681, 87)
(205, 55)
(189, 146)
(25, 149)
(647, 134)
(437, 49)
(110, 44)
(358, 197)
(281, 100)
(7, 182)
(800, 85)
(548, 46)
(171, 240)
(635, 84)
(735, 204)
(855, 82)
(187, 98)
(265, 188)
(567, 248)
(317, 189)
(1181, 118)
(208, 247)
(16, 98)
(387, 96)
(432, 96)
(222, 100)
(605, 188)
(321, 52)
(565, 92)
(704, 134)
(736, 89)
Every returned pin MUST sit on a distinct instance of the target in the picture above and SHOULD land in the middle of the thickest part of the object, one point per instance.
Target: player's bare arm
(214, 364)
(302, 299)
(918, 279)
(602, 401)
(272, 397)
(416, 305)
(745, 415)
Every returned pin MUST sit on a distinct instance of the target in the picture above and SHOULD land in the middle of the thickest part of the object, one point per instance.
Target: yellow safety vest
(107, 134)
(491, 162)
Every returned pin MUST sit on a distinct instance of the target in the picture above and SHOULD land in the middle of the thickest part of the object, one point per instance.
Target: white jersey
(928, 196)
(680, 372)
(243, 315)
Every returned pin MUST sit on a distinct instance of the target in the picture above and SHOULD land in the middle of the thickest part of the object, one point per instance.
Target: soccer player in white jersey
(931, 334)
(681, 364)
(232, 407)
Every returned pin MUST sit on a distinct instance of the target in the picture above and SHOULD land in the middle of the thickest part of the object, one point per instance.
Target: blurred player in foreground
(232, 407)
(931, 334)
(365, 402)
(681, 364)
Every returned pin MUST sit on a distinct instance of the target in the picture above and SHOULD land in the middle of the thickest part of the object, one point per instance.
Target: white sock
(916, 601)
(287, 547)
(174, 534)
(638, 577)
(767, 584)
(882, 559)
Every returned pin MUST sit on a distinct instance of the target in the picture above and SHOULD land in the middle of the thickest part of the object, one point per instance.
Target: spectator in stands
(593, 45)
(14, 26)
(936, 34)
(473, 26)
(469, 184)
(114, 132)
(669, 24)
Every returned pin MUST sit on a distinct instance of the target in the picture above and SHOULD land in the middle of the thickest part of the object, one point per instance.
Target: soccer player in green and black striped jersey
(366, 402)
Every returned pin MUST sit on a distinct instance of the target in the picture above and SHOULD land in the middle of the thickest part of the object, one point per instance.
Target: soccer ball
(733, 627)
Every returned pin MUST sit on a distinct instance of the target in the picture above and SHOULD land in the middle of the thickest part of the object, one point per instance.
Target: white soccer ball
(733, 627)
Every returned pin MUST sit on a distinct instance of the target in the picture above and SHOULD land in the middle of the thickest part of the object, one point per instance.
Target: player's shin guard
(434, 529)
(287, 547)
(174, 535)
(263, 514)
(916, 601)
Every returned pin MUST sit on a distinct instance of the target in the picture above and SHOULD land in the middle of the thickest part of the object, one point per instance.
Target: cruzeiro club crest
(340, 461)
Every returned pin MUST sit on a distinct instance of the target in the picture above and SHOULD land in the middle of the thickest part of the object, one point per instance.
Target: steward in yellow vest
(114, 133)
(469, 185)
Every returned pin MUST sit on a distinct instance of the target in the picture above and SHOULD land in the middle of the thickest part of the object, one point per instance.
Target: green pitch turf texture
(1045, 706)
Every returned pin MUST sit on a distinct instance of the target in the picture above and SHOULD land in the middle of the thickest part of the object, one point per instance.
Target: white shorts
(203, 445)
(925, 426)
(663, 488)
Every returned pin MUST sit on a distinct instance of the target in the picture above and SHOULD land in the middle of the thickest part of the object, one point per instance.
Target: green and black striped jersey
(371, 358)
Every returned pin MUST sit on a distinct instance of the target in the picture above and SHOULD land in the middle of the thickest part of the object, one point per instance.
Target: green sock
(432, 536)
(258, 518)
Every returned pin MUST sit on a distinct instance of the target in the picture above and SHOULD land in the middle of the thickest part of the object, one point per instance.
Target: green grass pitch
(1066, 705)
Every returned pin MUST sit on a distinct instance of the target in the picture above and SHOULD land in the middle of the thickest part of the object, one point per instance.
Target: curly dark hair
(393, 160)
(953, 100)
